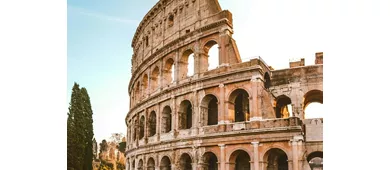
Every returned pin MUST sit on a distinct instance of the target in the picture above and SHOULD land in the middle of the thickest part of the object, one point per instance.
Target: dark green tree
(103, 148)
(75, 108)
(122, 147)
(88, 123)
(79, 130)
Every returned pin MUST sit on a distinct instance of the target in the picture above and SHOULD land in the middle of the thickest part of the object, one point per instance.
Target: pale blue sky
(100, 34)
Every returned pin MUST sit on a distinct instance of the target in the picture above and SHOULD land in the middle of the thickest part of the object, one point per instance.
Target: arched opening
(209, 110)
(166, 120)
(315, 160)
(147, 41)
(210, 161)
(212, 50)
(137, 91)
(132, 99)
(276, 159)
(133, 165)
(169, 72)
(152, 123)
(191, 65)
(239, 103)
(155, 77)
(165, 163)
(185, 115)
(129, 135)
(283, 108)
(135, 130)
(267, 80)
(185, 162)
(150, 164)
(142, 127)
(145, 85)
(240, 160)
(186, 66)
(170, 20)
(312, 104)
(140, 165)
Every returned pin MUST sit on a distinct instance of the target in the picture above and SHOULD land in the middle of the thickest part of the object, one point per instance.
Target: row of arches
(238, 102)
(312, 105)
(274, 159)
(149, 82)
(209, 111)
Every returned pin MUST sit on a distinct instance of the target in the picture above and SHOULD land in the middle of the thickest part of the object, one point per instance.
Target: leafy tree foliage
(106, 165)
(122, 147)
(88, 121)
(103, 146)
(79, 130)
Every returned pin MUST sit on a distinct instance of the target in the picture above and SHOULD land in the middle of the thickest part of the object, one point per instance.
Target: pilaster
(222, 157)
(256, 155)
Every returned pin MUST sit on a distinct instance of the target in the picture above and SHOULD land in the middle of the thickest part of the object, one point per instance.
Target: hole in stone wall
(212, 50)
(312, 104)
(170, 20)
(166, 120)
(152, 123)
(185, 115)
(283, 107)
(142, 127)
(185, 162)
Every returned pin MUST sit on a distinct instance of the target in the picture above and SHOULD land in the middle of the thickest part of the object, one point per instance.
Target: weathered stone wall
(248, 89)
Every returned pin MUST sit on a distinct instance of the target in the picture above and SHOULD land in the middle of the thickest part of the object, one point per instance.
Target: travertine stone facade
(229, 118)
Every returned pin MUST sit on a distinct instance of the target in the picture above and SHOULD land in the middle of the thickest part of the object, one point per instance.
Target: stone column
(222, 147)
(174, 121)
(137, 125)
(294, 154)
(129, 142)
(221, 104)
(176, 74)
(223, 41)
(256, 155)
(148, 90)
(127, 164)
(158, 122)
(161, 74)
(300, 152)
(195, 114)
(254, 111)
(146, 126)
(201, 62)
(194, 166)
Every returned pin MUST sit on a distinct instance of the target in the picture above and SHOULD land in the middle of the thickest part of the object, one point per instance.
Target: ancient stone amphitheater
(232, 117)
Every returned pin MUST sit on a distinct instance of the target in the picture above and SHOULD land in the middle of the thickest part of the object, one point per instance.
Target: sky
(99, 35)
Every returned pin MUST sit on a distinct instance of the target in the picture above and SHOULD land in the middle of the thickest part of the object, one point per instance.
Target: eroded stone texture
(230, 117)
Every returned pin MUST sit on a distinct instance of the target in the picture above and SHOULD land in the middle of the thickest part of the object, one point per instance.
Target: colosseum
(236, 116)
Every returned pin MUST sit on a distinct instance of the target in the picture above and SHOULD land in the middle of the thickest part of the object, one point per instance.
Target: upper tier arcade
(172, 27)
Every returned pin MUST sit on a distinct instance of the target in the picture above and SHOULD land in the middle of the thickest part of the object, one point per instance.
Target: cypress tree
(88, 123)
(72, 132)
(79, 130)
